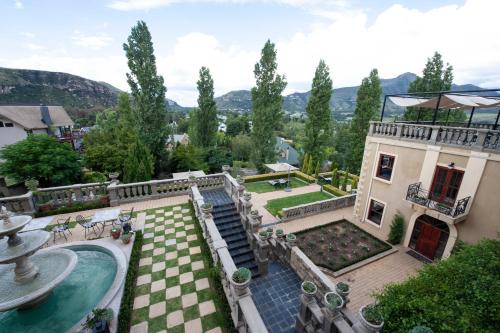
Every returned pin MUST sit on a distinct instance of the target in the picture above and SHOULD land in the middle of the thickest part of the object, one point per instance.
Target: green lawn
(264, 186)
(276, 205)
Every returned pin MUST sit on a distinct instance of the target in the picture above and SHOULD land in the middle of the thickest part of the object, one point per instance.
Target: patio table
(104, 216)
(38, 224)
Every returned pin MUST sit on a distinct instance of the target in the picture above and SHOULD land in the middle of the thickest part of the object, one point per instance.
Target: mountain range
(82, 97)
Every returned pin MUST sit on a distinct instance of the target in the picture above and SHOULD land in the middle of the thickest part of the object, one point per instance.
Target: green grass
(276, 205)
(264, 186)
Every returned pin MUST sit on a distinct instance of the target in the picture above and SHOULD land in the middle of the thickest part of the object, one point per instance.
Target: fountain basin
(94, 283)
(31, 242)
(16, 223)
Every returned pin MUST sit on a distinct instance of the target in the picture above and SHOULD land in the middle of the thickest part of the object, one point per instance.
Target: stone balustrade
(62, 195)
(244, 313)
(472, 138)
(19, 204)
(318, 207)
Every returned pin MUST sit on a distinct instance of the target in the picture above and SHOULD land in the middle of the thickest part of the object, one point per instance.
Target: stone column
(262, 257)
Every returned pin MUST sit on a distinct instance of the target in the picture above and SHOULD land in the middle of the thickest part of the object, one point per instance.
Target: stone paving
(173, 291)
(277, 298)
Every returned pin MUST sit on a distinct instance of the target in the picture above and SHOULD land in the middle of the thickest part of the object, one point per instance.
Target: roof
(284, 148)
(447, 101)
(30, 117)
(185, 175)
(280, 167)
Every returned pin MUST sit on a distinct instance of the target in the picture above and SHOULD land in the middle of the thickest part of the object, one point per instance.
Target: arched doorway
(429, 237)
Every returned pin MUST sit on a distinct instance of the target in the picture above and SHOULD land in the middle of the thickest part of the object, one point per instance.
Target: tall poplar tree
(147, 90)
(317, 129)
(267, 105)
(138, 164)
(204, 124)
(436, 76)
(367, 108)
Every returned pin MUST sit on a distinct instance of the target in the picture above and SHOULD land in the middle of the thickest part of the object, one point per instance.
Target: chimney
(44, 111)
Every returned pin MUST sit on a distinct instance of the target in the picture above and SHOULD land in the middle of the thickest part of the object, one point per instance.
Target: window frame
(367, 218)
(8, 125)
(379, 160)
(446, 183)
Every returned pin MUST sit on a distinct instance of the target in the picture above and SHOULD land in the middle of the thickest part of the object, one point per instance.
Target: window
(446, 184)
(376, 211)
(1, 123)
(385, 166)
(9, 125)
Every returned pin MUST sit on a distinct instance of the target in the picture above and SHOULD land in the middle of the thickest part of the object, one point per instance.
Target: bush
(94, 177)
(335, 191)
(74, 208)
(126, 306)
(397, 229)
(459, 294)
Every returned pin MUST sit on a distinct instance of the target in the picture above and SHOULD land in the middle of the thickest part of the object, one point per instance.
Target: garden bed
(339, 244)
(276, 205)
(264, 186)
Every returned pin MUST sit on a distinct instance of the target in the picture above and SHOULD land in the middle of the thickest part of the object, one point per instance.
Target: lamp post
(288, 188)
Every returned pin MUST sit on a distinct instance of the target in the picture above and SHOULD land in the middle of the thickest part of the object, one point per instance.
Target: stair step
(231, 232)
(225, 213)
(233, 245)
(238, 260)
(229, 225)
(241, 251)
(227, 220)
(236, 237)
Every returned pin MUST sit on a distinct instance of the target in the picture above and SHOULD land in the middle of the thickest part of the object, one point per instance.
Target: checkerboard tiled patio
(173, 292)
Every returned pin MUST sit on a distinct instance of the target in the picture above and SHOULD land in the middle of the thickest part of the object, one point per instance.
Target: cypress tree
(305, 163)
(310, 167)
(316, 171)
(138, 164)
(147, 90)
(204, 124)
(367, 108)
(267, 105)
(317, 129)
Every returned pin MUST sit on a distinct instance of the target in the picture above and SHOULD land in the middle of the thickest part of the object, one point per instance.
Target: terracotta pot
(115, 233)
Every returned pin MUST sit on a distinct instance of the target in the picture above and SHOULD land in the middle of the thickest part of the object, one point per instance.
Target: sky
(85, 38)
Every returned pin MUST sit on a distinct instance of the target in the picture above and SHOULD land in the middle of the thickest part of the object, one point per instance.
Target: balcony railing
(472, 138)
(422, 197)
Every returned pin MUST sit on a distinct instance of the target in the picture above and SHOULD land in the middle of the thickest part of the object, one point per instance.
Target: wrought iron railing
(423, 198)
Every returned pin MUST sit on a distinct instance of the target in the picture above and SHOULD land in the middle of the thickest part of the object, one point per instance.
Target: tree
(367, 108)
(43, 158)
(216, 157)
(147, 90)
(435, 77)
(236, 125)
(187, 157)
(241, 147)
(335, 178)
(305, 163)
(310, 166)
(317, 170)
(318, 111)
(459, 294)
(139, 164)
(204, 124)
(267, 105)
(107, 144)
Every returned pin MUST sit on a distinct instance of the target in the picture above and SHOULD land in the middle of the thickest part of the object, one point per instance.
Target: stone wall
(318, 207)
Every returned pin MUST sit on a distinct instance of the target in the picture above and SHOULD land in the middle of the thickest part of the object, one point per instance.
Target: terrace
(174, 288)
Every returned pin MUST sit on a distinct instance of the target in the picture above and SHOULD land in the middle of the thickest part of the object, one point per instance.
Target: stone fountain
(27, 278)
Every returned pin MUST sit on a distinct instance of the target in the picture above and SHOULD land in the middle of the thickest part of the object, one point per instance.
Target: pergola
(471, 99)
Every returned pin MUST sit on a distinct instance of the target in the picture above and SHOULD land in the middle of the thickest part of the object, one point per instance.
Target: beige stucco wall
(416, 162)
(10, 135)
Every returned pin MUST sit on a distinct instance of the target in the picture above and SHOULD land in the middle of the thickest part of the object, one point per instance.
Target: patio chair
(86, 223)
(61, 228)
(126, 216)
(272, 182)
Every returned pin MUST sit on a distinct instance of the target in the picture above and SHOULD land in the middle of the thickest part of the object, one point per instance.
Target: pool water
(72, 300)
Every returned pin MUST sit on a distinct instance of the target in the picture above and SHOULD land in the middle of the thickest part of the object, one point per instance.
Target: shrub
(372, 314)
(126, 306)
(333, 301)
(459, 294)
(335, 191)
(421, 329)
(94, 177)
(74, 208)
(344, 287)
(397, 229)
(309, 287)
(241, 275)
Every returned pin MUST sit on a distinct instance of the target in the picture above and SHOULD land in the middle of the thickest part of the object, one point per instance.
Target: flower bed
(339, 244)
(275, 206)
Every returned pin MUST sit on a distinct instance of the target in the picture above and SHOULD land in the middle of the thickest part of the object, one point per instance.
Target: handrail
(318, 207)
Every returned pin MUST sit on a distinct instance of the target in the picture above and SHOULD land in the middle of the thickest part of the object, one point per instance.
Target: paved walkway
(277, 298)
(173, 292)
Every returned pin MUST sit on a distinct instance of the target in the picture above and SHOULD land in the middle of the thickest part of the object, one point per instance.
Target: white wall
(10, 135)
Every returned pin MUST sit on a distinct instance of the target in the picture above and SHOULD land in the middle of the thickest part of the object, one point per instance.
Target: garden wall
(278, 175)
(314, 208)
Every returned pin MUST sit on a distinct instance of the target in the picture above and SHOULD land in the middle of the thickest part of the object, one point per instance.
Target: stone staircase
(228, 222)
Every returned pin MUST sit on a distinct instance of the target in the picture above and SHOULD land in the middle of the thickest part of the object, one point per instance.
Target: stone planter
(370, 326)
(247, 196)
(113, 176)
(207, 209)
(126, 238)
(280, 234)
(291, 239)
(240, 180)
(333, 302)
(225, 168)
(343, 290)
(240, 280)
(309, 290)
(263, 235)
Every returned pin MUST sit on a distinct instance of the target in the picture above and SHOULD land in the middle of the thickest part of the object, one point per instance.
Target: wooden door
(428, 240)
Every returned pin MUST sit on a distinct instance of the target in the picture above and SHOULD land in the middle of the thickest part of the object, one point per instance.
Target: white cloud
(34, 47)
(18, 4)
(27, 34)
(94, 42)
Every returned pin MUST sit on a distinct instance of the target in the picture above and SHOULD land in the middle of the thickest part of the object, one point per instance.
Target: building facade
(443, 180)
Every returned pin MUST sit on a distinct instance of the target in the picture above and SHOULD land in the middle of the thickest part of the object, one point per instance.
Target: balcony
(450, 213)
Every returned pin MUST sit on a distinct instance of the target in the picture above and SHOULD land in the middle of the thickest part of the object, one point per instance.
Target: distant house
(16, 122)
(175, 139)
(286, 153)
(222, 127)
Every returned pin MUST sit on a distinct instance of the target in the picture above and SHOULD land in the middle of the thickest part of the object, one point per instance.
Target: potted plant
(115, 232)
(309, 289)
(342, 289)
(247, 196)
(126, 236)
(98, 321)
(207, 208)
(371, 317)
(291, 238)
(31, 184)
(280, 233)
(240, 280)
(225, 168)
(240, 180)
(421, 329)
(263, 235)
(269, 231)
(254, 213)
(114, 177)
(333, 302)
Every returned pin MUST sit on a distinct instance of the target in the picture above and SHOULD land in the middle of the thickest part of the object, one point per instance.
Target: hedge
(77, 207)
(459, 294)
(340, 173)
(126, 306)
(278, 175)
(335, 191)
